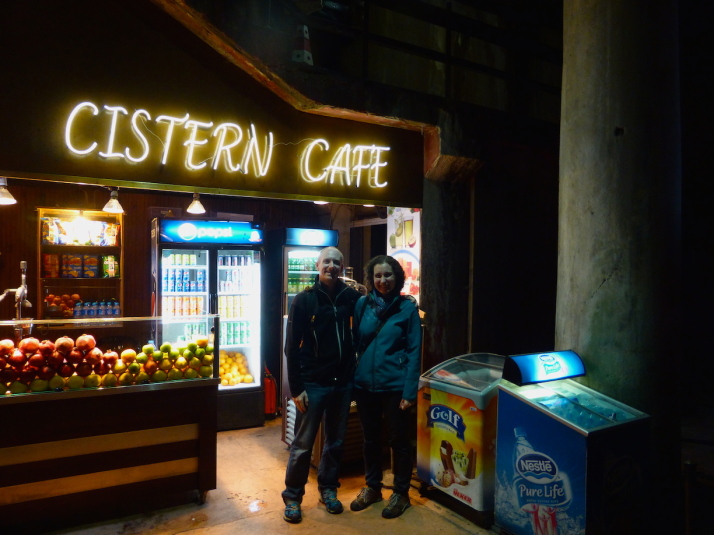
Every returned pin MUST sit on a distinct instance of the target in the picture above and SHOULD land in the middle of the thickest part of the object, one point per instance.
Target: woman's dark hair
(384, 259)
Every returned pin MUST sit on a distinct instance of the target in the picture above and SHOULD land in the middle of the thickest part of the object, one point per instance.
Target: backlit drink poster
(404, 244)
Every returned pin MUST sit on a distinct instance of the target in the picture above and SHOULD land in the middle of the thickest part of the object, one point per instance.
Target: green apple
(192, 346)
(209, 349)
(109, 380)
(16, 387)
(191, 373)
(148, 349)
(142, 358)
(92, 381)
(175, 375)
(134, 368)
(195, 363)
(141, 378)
(165, 347)
(75, 382)
(188, 354)
(174, 354)
(159, 376)
(38, 385)
(200, 352)
(207, 360)
(125, 379)
(206, 371)
(57, 382)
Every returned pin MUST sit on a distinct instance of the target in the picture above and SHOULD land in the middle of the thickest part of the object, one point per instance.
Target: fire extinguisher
(271, 395)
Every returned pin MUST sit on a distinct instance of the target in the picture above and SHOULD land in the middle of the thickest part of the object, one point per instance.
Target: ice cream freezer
(456, 430)
(569, 459)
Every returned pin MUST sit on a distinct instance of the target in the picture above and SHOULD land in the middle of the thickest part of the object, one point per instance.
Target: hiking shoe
(293, 513)
(366, 497)
(332, 504)
(398, 503)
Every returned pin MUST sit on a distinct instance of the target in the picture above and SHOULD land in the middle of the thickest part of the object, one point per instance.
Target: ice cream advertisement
(404, 244)
(456, 447)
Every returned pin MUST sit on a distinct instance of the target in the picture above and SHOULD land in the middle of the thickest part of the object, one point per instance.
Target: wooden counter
(70, 458)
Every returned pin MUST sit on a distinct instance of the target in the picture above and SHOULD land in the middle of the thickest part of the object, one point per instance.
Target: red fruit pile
(35, 365)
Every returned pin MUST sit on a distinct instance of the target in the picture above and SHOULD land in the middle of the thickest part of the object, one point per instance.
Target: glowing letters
(198, 135)
(347, 164)
(132, 136)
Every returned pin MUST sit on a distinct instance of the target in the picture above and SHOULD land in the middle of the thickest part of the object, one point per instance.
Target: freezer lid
(473, 371)
(210, 232)
(541, 367)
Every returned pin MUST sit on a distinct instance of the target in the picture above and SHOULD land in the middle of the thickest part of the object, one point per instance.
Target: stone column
(618, 301)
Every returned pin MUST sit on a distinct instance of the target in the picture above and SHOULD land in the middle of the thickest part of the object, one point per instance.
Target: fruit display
(67, 364)
(61, 305)
(233, 368)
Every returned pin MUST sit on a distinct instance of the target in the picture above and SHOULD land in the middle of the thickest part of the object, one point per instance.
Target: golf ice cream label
(456, 447)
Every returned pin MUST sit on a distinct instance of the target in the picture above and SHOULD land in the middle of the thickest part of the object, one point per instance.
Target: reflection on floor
(251, 471)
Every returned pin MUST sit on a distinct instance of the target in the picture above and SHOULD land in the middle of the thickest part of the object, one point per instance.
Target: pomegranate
(111, 357)
(17, 359)
(46, 347)
(46, 373)
(29, 345)
(66, 370)
(102, 368)
(8, 375)
(37, 360)
(3, 361)
(56, 359)
(6, 346)
(83, 369)
(93, 356)
(85, 342)
(27, 374)
(74, 357)
(64, 344)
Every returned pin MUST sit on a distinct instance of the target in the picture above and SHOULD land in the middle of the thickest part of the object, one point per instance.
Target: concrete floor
(251, 471)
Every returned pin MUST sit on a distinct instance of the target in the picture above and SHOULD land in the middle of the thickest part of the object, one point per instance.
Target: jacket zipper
(337, 327)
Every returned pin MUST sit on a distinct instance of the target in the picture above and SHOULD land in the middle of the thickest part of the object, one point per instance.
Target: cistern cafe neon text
(237, 149)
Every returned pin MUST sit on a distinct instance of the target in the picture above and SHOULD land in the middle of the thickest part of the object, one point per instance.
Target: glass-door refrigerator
(568, 458)
(298, 249)
(214, 267)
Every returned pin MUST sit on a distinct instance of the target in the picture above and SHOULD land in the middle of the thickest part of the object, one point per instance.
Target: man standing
(321, 362)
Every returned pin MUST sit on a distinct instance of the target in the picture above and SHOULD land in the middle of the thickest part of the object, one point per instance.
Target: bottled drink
(164, 279)
(101, 309)
(201, 280)
(86, 308)
(78, 310)
(116, 308)
(186, 280)
(179, 280)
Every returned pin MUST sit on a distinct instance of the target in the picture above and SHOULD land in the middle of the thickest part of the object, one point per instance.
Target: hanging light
(196, 207)
(5, 196)
(320, 202)
(113, 206)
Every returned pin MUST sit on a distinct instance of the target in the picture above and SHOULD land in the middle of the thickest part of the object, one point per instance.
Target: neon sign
(347, 164)
(236, 149)
(228, 138)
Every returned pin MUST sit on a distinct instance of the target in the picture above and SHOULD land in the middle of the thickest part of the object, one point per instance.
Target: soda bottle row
(301, 264)
(179, 259)
(297, 283)
(235, 333)
(183, 306)
(183, 280)
(97, 309)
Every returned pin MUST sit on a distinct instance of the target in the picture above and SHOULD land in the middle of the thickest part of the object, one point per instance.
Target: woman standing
(387, 335)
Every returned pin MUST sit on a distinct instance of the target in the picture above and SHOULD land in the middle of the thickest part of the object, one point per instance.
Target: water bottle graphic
(530, 465)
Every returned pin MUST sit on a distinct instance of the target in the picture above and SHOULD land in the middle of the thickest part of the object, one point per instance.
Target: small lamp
(196, 207)
(5, 196)
(113, 206)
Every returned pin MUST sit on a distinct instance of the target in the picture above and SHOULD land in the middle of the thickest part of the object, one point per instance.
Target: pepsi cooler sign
(311, 237)
(210, 232)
